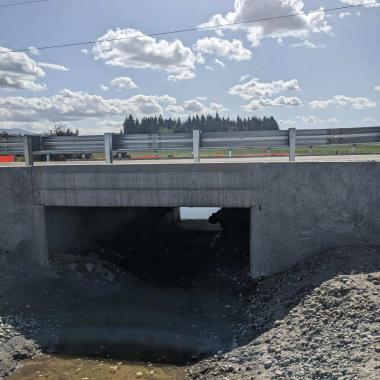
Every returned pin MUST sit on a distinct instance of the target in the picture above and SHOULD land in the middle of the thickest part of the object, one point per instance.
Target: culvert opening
(175, 280)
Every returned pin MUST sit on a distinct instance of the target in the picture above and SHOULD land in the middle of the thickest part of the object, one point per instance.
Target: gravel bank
(320, 320)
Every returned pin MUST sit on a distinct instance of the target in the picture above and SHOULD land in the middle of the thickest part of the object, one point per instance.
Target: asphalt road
(345, 158)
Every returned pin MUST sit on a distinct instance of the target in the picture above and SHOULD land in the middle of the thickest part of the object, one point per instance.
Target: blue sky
(316, 71)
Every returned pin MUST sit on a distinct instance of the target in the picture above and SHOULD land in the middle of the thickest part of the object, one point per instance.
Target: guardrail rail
(113, 144)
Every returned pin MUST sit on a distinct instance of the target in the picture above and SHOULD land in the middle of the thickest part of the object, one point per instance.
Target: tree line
(158, 124)
(209, 123)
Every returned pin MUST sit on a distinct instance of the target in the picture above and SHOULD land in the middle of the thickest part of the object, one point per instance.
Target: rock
(268, 364)
(90, 267)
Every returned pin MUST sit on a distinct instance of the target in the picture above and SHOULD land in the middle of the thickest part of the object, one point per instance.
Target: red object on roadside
(7, 158)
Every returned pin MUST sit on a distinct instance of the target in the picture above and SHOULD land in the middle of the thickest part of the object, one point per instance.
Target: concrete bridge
(297, 209)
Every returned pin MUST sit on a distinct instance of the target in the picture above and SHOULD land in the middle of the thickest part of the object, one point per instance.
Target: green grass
(247, 152)
(251, 152)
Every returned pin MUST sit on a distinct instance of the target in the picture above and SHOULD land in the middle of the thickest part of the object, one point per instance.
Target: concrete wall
(16, 210)
(297, 209)
(308, 208)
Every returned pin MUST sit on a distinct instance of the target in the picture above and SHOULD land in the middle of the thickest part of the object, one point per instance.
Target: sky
(320, 70)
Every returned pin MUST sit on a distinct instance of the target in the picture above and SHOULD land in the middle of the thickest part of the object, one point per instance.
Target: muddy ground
(319, 320)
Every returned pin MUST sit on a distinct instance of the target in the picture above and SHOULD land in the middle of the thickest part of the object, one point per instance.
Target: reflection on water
(56, 368)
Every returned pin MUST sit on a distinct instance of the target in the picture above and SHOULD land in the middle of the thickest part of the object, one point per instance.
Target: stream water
(63, 368)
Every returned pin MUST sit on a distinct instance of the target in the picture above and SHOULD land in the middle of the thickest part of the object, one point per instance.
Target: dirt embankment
(319, 320)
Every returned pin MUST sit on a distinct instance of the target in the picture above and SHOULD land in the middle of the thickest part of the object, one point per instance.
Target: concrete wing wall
(307, 208)
(16, 210)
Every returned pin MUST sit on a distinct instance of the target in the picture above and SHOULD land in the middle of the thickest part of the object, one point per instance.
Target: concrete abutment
(297, 210)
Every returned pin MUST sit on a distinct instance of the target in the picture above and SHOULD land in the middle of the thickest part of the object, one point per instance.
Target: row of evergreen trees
(207, 123)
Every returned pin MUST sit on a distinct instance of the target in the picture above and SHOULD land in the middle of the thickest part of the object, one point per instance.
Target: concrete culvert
(179, 285)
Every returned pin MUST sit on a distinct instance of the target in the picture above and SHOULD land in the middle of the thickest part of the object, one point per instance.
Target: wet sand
(60, 368)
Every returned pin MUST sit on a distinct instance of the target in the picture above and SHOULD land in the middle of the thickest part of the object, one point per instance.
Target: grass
(252, 152)
(244, 152)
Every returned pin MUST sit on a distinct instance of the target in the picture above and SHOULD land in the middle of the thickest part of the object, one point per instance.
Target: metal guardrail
(111, 144)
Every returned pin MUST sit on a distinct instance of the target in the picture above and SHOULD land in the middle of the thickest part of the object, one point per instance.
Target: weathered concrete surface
(16, 210)
(296, 209)
(208, 185)
(307, 208)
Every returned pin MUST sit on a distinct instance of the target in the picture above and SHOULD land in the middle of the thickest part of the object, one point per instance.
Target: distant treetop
(204, 123)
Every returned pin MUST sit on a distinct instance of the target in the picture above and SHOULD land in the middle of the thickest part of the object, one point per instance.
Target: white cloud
(287, 122)
(255, 89)
(33, 51)
(53, 66)
(219, 62)
(311, 119)
(131, 48)
(174, 110)
(300, 26)
(281, 101)
(344, 14)
(210, 68)
(104, 87)
(183, 75)
(85, 51)
(216, 107)
(123, 83)
(194, 106)
(377, 88)
(200, 59)
(232, 50)
(367, 3)
(368, 119)
(343, 101)
(308, 44)
(244, 77)
(19, 72)
(69, 106)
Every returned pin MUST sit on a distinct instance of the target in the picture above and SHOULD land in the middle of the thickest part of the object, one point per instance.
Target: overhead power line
(200, 28)
(23, 3)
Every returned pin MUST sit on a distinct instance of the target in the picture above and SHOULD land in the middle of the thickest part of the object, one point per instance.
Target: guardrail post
(28, 150)
(292, 144)
(196, 145)
(108, 148)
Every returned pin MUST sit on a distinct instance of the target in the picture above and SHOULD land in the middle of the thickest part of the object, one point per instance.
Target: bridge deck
(340, 158)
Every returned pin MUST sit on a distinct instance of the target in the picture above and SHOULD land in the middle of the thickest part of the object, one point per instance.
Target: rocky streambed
(86, 318)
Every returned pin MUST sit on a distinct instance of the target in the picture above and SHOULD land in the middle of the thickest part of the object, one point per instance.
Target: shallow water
(60, 368)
